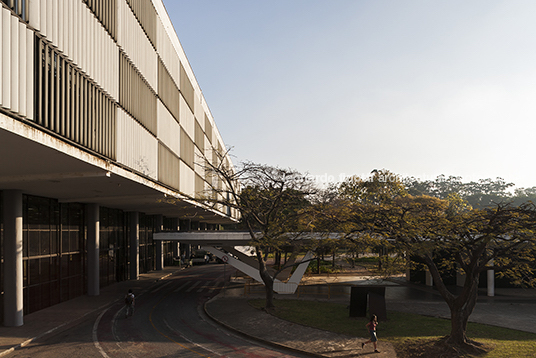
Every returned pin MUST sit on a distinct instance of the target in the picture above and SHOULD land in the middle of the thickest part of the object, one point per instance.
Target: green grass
(402, 328)
(325, 267)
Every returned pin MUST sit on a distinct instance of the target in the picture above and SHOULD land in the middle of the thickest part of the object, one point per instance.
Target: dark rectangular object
(358, 302)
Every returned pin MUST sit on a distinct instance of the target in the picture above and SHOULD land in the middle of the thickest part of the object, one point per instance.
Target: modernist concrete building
(101, 125)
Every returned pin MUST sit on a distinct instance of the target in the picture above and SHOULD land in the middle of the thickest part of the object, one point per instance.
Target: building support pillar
(491, 281)
(13, 272)
(429, 278)
(93, 248)
(134, 239)
(159, 250)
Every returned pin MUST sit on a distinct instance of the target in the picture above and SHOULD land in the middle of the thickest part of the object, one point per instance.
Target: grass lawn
(402, 329)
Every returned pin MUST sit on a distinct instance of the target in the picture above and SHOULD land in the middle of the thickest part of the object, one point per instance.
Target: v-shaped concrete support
(288, 287)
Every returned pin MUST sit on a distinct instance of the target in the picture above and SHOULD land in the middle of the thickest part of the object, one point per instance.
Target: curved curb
(258, 339)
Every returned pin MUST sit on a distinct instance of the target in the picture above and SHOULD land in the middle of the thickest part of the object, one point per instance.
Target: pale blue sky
(342, 87)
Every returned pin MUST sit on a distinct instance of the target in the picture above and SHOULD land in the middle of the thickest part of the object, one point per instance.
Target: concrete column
(13, 274)
(176, 249)
(93, 238)
(159, 244)
(491, 281)
(429, 279)
(134, 245)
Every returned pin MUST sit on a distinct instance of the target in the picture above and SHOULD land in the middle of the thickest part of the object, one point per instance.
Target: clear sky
(341, 87)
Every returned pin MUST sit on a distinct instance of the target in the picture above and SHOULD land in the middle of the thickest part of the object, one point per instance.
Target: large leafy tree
(448, 234)
(271, 202)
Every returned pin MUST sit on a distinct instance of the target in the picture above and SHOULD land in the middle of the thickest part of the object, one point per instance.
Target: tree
(382, 187)
(447, 238)
(479, 194)
(448, 234)
(524, 195)
(271, 201)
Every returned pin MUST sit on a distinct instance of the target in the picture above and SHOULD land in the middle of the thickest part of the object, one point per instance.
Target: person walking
(371, 325)
(129, 304)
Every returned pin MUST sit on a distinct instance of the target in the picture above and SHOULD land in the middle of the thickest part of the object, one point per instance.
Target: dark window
(53, 263)
(19, 8)
(113, 258)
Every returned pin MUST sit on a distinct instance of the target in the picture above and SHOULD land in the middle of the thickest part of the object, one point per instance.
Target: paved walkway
(511, 308)
(235, 313)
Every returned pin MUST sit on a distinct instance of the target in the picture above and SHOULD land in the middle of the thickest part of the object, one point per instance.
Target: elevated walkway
(222, 245)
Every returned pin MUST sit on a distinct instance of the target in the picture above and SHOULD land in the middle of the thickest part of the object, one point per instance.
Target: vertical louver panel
(136, 96)
(16, 67)
(187, 179)
(80, 36)
(186, 118)
(169, 131)
(70, 104)
(168, 167)
(199, 137)
(30, 70)
(6, 53)
(136, 147)
(199, 186)
(187, 89)
(146, 15)
(135, 44)
(167, 53)
(187, 149)
(15, 43)
(208, 128)
(168, 91)
(105, 11)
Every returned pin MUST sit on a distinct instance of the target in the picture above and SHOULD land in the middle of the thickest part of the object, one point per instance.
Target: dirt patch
(439, 348)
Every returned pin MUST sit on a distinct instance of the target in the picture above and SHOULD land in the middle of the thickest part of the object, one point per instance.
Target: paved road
(168, 322)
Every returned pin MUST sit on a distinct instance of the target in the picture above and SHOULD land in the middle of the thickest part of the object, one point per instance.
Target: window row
(69, 104)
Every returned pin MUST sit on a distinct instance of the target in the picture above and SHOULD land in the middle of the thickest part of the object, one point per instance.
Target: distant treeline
(479, 194)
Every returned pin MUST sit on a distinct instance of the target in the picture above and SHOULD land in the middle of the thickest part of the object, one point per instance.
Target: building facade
(103, 132)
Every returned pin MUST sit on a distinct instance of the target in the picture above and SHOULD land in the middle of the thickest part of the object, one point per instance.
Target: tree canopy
(271, 201)
(445, 233)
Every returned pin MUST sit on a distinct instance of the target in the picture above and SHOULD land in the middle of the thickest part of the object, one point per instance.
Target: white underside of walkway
(222, 243)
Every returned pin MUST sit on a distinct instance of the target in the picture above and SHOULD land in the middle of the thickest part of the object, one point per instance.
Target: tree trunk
(458, 324)
(333, 258)
(460, 306)
(267, 279)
